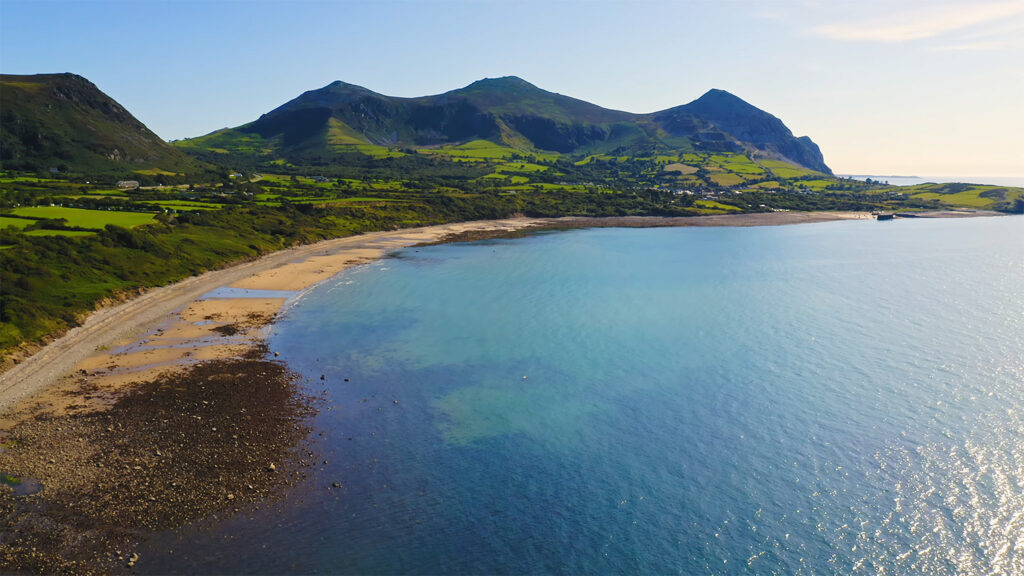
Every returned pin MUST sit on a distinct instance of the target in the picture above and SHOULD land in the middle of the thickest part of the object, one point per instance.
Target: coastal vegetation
(93, 206)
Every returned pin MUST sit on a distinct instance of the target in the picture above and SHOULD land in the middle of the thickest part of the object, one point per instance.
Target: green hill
(325, 124)
(64, 122)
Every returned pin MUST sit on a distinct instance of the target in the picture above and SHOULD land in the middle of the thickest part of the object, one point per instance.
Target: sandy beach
(150, 396)
(170, 327)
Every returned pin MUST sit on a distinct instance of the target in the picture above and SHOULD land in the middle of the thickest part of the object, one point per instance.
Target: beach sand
(148, 396)
(170, 327)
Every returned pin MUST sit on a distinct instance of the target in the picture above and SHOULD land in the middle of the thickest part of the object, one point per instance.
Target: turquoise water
(845, 397)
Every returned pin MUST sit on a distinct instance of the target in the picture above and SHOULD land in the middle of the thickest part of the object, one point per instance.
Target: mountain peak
(719, 99)
(501, 83)
(344, 88)
(504, 86)
(750, 124)
(510, 110)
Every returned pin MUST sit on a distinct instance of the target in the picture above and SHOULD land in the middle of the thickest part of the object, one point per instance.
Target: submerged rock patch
(186, 446)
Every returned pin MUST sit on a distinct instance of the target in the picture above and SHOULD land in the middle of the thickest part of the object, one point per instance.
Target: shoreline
(167, 327)
(140, 323)
(170, 409)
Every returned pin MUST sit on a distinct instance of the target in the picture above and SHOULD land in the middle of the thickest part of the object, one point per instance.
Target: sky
(929, 88)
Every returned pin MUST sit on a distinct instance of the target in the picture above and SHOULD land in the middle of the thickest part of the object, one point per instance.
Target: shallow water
(21, 486)
(227, 292)
(821, 398)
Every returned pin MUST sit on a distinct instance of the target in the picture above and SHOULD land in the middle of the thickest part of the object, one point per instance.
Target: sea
(835, 398)
(1012, 181)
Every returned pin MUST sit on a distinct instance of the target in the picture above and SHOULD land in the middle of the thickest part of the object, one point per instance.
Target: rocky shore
(109, 436)
(193, 444)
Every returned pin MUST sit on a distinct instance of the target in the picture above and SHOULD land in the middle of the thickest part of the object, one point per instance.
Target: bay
(820, 398)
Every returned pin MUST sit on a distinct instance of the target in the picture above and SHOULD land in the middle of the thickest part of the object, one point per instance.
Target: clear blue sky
(930, 88)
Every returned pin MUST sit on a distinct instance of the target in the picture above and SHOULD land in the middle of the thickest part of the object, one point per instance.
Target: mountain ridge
(512, 111)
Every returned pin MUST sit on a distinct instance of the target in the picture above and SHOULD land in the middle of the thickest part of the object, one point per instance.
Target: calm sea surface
(912, 180)
(844, 397)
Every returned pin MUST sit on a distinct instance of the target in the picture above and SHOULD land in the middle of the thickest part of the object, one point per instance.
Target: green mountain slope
(343, 118)
(63, 121)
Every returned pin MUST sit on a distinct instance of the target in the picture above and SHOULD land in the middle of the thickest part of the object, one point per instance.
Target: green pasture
(770, 184)
(357, 200)
(83, 218)
(375, 151)
(8, 222)
(974, 196)
(726, 179)
(183, 204)
(155, 172)
(522, 167)
(341, 134)
(226, 141)
(70, 233)
(712, 205)
(738, 163)
(105, 192)
(482, 149)
(589, 159)
(28, 180)
(816, 185)
(786, 170)
(682, 169)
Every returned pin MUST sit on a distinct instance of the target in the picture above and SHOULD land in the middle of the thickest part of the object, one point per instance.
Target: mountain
(63, 121)
(341, 118)
(754, 126)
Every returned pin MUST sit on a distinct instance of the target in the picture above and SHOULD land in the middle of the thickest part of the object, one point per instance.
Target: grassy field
(786, 170)
(227, 141)
(7, 222)
(81, 218)
(684, 169)
(817, 185)
(737, 164)
(727, 179)
(479, 149)
(970, 195)
(183, 204)
(708, 207)
(521, 167)
(336, 201)
(767, 185)
(70, 233)
(155, 172)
